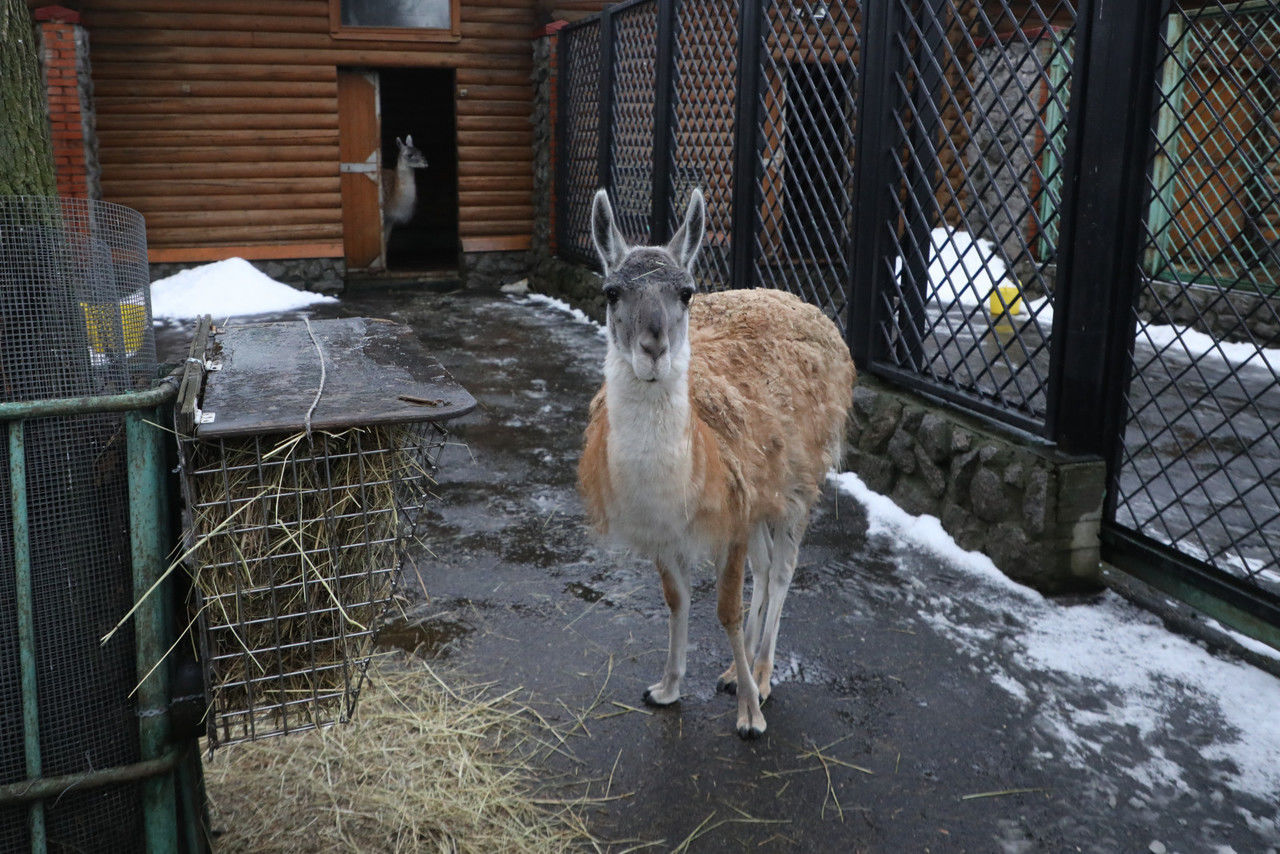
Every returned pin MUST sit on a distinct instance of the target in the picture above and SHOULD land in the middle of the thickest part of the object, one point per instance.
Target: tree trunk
(26, 152)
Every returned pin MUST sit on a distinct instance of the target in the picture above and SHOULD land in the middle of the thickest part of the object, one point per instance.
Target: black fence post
(605, 167)
(874, 178)
(663, 122)
(746, 167)
(1103, 200)
(910, 317)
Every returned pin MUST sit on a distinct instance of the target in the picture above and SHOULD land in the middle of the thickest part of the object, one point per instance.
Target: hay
(294, 544)
(422, 767)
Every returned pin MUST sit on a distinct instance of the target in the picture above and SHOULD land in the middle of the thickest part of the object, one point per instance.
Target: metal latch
(369, 167)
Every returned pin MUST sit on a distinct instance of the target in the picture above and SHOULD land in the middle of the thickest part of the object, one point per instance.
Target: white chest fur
(650, 464)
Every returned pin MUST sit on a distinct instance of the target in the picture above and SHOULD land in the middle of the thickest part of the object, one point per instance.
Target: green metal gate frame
(149, 543)
(1170, 123)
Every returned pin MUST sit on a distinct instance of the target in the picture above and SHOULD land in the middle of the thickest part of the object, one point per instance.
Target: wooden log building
(257, 129)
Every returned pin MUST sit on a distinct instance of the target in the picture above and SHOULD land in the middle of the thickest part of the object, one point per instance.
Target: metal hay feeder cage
(307, 450)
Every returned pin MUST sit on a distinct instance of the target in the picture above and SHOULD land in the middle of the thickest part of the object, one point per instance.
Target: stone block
(882, 425)
(934, 479)
(987, 496)
(935, 437)
(901, 450)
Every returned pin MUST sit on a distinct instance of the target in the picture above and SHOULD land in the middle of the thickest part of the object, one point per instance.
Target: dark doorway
(418, 102)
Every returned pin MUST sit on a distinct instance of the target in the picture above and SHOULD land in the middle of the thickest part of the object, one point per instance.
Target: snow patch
(1120, 660)
(1197, 344)
(230, 288)
(562, 306)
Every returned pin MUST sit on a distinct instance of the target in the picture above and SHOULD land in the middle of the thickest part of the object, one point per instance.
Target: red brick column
(58, 27)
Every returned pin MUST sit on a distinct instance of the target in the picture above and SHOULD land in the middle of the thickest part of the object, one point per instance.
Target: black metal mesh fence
(917, 168)
(635, 50)
(1200, 465)
(704, 127)
(981, 139)
(807, 116)
(578, 148)
(74, 321)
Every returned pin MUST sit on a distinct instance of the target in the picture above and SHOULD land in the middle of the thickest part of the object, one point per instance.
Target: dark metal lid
(375, 372)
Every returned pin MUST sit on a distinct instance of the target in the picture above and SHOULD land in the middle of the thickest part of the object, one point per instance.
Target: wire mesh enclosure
(578, 143)
(633, 51)
(981, 131)
(297, 545)
(1200, 462)
(74, 322)
(808, 118)
(304, 487)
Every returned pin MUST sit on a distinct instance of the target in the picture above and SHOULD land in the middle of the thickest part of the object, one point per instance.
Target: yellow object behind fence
(112, 324)
(1005, 298)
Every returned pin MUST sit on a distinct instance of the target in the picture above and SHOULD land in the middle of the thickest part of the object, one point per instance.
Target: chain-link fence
(74, 322)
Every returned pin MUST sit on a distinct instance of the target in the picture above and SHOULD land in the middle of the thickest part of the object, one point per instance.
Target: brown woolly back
(772, 378)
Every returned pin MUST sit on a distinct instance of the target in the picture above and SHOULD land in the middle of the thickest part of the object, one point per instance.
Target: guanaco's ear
(399, 144)
(609, 242)
(408, 141)
(687, 240)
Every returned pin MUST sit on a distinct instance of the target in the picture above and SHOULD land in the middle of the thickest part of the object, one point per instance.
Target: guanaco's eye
(686, 294)
(612, 293)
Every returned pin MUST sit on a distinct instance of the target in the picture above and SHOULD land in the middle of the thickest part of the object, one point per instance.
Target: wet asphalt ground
(894, 724)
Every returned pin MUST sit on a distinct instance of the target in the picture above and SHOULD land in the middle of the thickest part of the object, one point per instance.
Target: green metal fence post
(26, 623)
(147, 545)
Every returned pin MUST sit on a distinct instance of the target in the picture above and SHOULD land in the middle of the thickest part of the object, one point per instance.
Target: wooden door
(360, 149)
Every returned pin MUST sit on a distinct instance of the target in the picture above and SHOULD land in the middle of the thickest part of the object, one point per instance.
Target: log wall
(221, 125)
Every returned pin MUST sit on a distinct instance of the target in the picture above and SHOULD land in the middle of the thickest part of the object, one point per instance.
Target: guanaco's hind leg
(729, 608)
(775, 549)
(786, 551)
(759, 558)
(675, 590)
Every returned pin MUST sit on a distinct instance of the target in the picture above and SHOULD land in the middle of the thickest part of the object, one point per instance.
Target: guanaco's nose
(654, 349)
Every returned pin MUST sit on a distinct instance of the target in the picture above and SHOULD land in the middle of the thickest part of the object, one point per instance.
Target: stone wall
(1226, 315)
(493, 269)
(323, 275)
(1033, 510)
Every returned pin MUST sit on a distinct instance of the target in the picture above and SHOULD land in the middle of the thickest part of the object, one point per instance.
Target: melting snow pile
(962, 268)
(233, 287)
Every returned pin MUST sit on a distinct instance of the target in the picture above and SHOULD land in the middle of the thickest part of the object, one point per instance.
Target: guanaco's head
(647, 290)
(409, 153)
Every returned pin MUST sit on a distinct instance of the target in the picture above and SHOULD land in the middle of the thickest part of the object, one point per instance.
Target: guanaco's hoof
(650, 701)
(726, 686)
(749, 733)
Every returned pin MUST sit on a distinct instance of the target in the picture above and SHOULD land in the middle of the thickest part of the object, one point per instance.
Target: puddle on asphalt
(432, 639)
(583, 592)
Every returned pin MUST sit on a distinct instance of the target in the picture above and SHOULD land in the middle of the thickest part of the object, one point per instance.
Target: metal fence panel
(967, 308)
(808, 118)
(578, 140)
(1200, 465)
(75, 321)
(635, 50)
(704, 127)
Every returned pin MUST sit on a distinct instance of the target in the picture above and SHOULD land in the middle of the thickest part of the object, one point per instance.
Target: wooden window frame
(454, 33)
